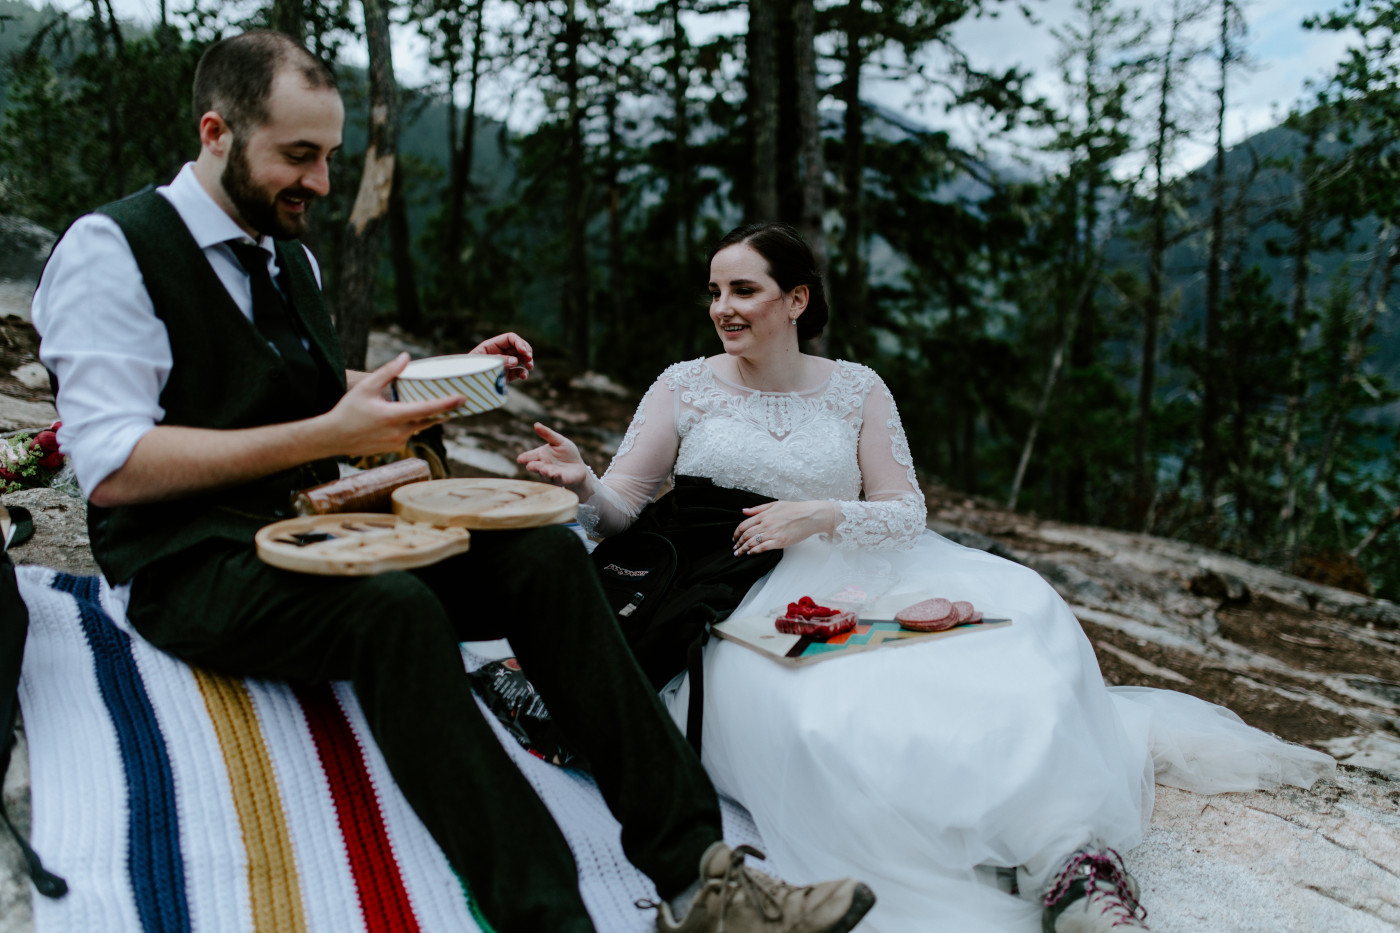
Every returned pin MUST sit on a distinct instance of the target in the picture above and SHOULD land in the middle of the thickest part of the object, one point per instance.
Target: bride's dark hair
(790, 263)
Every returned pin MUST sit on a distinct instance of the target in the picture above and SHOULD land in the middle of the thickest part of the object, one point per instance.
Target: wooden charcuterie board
(356, 544)
(757, 633)
(875, 629)
(484, 504)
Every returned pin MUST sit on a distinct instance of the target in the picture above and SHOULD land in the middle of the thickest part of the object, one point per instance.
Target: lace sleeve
(642, 463)
(893, 514)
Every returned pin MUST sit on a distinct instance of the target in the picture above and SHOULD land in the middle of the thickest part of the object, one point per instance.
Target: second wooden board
(484, 504)
(356, 544)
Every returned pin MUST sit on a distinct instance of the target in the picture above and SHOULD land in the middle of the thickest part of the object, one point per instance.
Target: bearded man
(200, 381)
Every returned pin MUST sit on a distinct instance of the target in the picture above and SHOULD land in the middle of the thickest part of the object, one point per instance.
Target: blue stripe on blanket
(154, 862)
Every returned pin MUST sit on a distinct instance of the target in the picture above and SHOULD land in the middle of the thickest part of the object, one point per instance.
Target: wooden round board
(356, 544)
(484, 504)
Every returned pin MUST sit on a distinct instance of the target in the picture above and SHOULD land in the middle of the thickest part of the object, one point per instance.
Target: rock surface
(60, 531)
(1288, 860)
(24, 248)
(17, 414)
(16, 910)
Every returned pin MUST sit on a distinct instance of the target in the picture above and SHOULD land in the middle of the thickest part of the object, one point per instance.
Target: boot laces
(762, 890)
(1105, 879)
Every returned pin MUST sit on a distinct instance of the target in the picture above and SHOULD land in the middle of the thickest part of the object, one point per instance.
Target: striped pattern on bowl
(480, 378)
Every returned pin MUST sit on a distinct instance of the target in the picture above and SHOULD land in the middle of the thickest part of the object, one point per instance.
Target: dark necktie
(272, 317)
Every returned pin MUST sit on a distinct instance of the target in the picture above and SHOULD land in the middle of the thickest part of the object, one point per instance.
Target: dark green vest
(225, 375)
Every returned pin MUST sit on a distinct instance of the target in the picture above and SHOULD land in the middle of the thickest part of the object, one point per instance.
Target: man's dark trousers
(395, 637)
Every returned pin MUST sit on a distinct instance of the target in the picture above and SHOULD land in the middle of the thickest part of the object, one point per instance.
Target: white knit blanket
(173, 800)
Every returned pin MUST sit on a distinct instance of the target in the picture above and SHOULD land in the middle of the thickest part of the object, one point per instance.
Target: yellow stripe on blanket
(273, 883)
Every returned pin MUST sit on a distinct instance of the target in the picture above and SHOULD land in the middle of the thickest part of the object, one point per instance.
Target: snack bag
(510, 695)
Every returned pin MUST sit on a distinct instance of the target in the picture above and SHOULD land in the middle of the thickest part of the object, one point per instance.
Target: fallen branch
(1380, 529)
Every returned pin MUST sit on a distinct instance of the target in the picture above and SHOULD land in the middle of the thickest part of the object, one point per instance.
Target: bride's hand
(782, 524)
(557, 460)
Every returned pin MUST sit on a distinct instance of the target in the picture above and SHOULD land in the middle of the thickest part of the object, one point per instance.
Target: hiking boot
(1093, 894)
(734, 898)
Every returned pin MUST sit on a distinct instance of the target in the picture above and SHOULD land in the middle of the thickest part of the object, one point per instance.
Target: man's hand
(557, 460)
(364, 422)
(171, 462)
(520, 359)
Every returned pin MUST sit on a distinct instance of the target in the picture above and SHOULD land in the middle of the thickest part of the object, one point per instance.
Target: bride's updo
(790, 263)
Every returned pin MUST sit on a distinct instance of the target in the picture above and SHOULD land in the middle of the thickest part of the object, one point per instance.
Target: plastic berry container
(806, 618)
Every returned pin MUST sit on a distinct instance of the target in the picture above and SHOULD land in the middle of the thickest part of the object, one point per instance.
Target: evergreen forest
(1081, 329)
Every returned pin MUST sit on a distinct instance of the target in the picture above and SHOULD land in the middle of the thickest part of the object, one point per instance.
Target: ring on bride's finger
(758, 538)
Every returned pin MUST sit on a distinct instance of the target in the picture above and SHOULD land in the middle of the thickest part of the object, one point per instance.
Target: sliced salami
(930, 615)
(964, 610)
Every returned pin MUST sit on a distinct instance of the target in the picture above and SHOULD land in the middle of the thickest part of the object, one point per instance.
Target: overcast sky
(1285, 56)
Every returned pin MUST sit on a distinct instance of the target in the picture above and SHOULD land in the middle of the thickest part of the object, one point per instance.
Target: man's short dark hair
(234, 77)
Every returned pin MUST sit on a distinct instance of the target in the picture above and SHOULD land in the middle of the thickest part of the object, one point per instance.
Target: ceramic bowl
(479, 377)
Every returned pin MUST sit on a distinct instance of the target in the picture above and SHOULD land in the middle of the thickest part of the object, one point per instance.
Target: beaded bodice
(817, 444)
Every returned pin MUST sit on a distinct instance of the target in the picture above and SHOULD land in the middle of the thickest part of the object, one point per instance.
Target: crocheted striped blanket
(172, 799)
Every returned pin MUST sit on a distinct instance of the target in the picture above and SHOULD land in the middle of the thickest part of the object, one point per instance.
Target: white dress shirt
(100, 334)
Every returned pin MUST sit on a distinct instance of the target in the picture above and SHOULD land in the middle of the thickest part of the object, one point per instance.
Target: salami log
(366, 491)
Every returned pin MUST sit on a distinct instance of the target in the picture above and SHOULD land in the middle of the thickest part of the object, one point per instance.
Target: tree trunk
(462, 165)
(360, 251)
(287, 16)
(1381, 528)
(1372, 303)
(762, 48)
(1238, 387)
(617, 272)
(680, 86)
(1071, 327)
(1143, 479)
(116, 167)
(1083, 347)
(809, 132)
(789, 114)
(448, 248)
(969, 451)
(118, 43)
(1047, 390)
(576, 292)
(1302, 256)
(853, 296)
(1210, 357)
(401, 250)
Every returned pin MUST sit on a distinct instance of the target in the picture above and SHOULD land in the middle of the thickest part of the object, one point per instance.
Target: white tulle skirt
(922, 768)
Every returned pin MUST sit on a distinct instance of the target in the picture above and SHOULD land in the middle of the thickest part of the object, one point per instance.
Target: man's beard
(255, 206)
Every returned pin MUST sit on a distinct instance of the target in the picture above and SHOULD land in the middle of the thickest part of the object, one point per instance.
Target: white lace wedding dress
(916, 769)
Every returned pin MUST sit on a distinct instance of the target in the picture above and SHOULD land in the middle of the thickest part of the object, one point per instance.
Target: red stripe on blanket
(383, 897)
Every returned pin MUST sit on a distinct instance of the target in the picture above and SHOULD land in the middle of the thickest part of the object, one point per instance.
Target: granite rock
(60, 531)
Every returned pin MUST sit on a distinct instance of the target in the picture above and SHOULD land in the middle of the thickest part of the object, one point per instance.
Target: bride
(977, 783)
